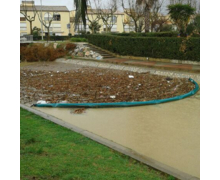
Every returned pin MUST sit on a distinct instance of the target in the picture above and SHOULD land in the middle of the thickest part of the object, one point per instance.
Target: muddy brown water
(168, 133)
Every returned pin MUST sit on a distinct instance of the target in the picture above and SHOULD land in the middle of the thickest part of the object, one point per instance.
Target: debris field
(96, 85)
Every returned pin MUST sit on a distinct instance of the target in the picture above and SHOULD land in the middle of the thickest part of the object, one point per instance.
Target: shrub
(70, 46)
(151, 34)
(155, 47)
(166, 28)
(78, 40)
(37, 52)
(194, 26)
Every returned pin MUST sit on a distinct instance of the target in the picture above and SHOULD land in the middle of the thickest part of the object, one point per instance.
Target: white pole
(41, 22)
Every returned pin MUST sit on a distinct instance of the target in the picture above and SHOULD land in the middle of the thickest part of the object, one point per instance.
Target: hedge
(56, 38)
(151, 34)
(154, 47)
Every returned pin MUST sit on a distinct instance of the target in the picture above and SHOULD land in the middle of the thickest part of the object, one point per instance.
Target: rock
(80, 54)
(169, 79)
(99, 57)
(46, 44)
(55, 45)
(87, 53)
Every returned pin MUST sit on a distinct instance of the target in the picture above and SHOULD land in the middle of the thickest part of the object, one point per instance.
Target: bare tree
(25, 9)
(156, 18)
(46, 21)
(147, 4)
(135, 12)
(107, 13)
(93, 18)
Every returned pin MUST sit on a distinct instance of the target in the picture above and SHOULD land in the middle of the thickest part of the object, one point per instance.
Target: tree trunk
(147, 19)
(85, 28)
(48, 34)
(136, 26)
(31, 30)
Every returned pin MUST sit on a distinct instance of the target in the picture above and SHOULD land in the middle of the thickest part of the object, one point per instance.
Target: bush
(52, 38)
(37, 52)
(166, 28)
(70, 46)
(155, 47)
(152, 34)
(78, 40)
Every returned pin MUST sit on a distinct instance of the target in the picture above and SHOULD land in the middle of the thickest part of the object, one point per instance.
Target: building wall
(63, 30)
(118, 27)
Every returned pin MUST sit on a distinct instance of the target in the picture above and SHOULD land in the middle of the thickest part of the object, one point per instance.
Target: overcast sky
(69, 3)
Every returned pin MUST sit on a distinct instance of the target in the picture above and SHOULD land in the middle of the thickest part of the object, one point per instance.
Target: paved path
(156, 64)
(134, 68)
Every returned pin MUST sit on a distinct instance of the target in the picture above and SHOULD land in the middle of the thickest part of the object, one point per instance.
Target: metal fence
(26, 38)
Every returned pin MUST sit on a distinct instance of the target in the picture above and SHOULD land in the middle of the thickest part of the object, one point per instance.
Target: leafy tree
(36, 31)
(94, 26)
(194, 26)
(166, 28)
(181, 14)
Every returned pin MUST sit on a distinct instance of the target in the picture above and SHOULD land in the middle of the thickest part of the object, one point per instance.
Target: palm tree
(81, 11)
(147, 6)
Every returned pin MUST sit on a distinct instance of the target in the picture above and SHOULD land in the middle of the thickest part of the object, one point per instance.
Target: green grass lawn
(49, 151)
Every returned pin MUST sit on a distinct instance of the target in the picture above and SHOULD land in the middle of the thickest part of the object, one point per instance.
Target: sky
(69, 3)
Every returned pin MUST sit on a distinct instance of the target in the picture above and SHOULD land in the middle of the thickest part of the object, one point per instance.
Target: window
(23, 26)
(114, 28)
(22, 18)
(56, 17)
(114, 19)
(47, 17)
(22, 34)
(56, 27)
(128, 28)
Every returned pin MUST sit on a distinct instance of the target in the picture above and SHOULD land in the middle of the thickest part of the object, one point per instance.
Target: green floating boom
(122, 104)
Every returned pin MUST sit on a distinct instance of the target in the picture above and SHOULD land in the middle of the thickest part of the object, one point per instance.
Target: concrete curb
(124, 150)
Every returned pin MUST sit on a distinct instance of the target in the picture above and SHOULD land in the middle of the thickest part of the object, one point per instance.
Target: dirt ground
(58, 82)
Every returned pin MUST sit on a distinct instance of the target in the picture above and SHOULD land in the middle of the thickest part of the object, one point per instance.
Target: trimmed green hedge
(77, 39)
(151, 34)
(56, 38)
(155, 47)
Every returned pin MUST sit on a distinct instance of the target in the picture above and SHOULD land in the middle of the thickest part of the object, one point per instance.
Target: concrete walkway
(132, 67)
(156, 64)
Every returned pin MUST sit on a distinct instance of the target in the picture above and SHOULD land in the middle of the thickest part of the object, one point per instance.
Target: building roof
(45, 8)
(95, 11)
